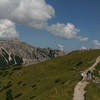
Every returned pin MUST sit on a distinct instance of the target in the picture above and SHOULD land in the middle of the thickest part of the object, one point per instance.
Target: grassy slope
(93, 89)
(54, 79)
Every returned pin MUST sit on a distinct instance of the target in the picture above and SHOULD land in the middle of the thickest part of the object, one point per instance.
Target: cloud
(60, 47)
(7, 29)
(34, 13)
(83, 48)
(82, 39)
(66, 31)
(96, 43)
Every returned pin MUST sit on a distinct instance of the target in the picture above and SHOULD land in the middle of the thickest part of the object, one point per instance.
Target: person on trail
(82, 76)
(88, 75)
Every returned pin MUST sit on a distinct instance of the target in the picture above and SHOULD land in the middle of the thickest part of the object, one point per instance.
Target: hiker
(82, 76)
(88, 75)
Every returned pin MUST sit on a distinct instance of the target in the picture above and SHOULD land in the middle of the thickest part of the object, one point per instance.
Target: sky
(60, 24)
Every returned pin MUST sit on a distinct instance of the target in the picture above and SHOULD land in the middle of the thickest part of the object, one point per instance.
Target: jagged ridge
(12, 50)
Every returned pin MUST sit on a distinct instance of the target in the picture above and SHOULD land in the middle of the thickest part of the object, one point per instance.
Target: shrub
(31, 98)
(18, 95)
(20, 82)
(19, 60)
(80, 63)
(33, 86)
(9, 95)
(3, 62)
(57, 81)
(17, 68)
(9, 84)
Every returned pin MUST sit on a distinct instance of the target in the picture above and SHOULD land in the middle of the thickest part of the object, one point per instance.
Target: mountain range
(14, 52)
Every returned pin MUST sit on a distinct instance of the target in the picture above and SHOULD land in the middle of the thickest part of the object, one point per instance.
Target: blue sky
(84, 14)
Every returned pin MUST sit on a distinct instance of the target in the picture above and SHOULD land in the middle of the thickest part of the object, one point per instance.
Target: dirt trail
(79, 90)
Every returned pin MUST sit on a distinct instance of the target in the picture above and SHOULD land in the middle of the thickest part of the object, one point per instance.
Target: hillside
(93, 89)
(14, 50)
(53, 79)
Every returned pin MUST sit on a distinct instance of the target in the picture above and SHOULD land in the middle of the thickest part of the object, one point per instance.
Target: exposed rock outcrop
(13, 50)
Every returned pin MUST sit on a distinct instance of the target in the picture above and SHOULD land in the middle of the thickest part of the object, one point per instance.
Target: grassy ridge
(93, 89)
(54, 79)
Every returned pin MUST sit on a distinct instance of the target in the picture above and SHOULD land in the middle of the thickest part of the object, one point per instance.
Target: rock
(15, 49)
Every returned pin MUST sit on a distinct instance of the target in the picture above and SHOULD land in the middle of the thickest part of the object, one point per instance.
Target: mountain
(17, 52)
(54, 79)
(7, 59)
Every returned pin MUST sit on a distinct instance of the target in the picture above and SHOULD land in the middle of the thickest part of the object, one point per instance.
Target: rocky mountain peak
(12, 49)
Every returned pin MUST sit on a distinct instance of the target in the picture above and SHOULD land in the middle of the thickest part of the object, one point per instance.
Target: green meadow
(53, 79)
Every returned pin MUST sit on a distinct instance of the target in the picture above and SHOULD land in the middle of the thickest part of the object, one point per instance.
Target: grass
(53, 79)
(93, 89)
(93, 92)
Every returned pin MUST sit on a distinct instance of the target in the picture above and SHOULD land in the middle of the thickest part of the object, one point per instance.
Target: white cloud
(7, 29)
(60, 47)
(82, 39)
(66, 31)
(83, 48)
(96, 43)
(34, 13)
